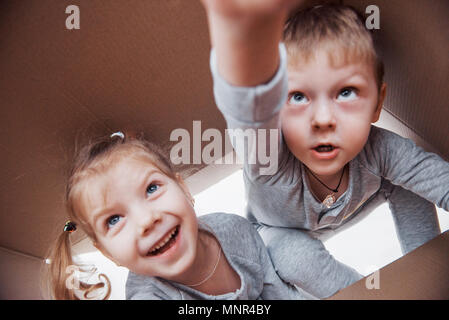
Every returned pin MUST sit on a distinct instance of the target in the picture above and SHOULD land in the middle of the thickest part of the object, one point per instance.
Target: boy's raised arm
(246, 35)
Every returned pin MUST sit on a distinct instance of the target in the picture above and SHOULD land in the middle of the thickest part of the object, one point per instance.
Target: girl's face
(143, 220)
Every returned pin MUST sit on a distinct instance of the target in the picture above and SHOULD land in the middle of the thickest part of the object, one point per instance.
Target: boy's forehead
(331, 54)
(327, 63)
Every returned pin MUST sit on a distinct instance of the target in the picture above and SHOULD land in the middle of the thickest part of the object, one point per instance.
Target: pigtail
(59, 260)
(62, 275)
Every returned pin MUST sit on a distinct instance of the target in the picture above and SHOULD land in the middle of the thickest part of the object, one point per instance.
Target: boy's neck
(321, 192)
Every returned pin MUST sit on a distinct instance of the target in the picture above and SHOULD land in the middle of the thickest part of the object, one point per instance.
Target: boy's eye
(347, 94)
(297, 98)
(112, 220)
(152, 188)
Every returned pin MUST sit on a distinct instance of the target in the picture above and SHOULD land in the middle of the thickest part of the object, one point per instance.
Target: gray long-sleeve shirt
(245, 252)
(283, 199)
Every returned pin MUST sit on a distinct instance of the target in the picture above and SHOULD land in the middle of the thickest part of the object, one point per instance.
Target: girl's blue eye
(113, 220)
(347, 94)
(152, 188)
(298, 98)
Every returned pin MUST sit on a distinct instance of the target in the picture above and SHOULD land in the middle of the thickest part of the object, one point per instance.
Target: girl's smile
(143, 219)
(165, 244)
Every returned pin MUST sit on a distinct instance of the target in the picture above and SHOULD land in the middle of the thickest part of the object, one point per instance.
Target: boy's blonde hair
(338, 29)
(94, 158)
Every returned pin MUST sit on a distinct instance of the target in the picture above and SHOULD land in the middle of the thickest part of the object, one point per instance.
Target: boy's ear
(380, 102)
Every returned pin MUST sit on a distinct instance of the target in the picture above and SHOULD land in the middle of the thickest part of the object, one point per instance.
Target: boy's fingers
(249, 7)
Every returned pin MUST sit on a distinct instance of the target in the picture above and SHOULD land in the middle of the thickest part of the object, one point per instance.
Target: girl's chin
(170, 272)
(177, 272)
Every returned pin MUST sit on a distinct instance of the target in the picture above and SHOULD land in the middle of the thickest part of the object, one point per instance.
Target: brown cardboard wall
(139, 65)
(413, 41)
(143, 65)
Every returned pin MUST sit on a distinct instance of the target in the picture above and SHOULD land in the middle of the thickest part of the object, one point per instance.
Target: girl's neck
(211, 264)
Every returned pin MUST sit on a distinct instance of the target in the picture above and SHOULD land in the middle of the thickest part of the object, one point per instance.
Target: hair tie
(69, 227)
(118, 134)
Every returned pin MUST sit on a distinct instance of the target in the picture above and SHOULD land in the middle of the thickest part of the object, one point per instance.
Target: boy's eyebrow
(356, 75)
(101, 212)
(357, 78)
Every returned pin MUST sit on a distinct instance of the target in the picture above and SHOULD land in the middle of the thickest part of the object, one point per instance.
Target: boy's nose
(323, 117)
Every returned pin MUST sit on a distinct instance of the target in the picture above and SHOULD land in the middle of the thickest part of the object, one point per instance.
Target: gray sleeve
(304, 261)
(144, 296)
(402, 162)
(274, 288)
(252, 115)
(243, 240)
(141, 288)
(415, 218)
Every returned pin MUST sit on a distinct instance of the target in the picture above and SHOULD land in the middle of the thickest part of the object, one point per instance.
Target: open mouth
(324, 148)
(166, 243)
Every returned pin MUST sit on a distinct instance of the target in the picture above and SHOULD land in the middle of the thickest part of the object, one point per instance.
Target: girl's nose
(323, 117)
(147, 221)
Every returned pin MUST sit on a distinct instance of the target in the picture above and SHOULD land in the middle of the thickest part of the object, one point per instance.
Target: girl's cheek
(121, 243)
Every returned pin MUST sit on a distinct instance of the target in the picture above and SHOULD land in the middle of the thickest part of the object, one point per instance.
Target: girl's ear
(380, 102)
(184, 188)
(103, 252)
(99, 248)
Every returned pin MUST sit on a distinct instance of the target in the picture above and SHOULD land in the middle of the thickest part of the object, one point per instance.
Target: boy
(334, 167)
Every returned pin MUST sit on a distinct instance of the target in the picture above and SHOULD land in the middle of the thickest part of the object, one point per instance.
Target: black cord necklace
(330, 199)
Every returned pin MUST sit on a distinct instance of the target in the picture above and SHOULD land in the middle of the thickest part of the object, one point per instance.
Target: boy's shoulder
(383, 140)
(378, 132)
(385, 150)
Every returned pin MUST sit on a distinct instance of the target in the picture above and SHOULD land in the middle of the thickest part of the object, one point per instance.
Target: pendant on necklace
(329, 201)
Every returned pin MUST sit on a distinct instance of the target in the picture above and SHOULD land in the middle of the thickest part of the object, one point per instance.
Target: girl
(139, 213)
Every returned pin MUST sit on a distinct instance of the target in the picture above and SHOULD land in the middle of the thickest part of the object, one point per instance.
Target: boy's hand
(245, 35)
(248, 8)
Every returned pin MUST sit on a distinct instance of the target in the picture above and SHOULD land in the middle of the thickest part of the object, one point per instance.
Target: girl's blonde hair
(95, 157)
(339, 29)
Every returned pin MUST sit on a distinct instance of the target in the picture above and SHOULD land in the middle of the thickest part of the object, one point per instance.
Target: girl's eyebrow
(101, 212)
(147, 176)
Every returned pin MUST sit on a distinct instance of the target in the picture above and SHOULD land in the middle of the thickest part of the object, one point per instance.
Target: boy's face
(142, 219)
(329, 105)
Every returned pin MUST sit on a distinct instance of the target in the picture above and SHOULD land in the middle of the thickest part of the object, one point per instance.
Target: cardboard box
(421, 274)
